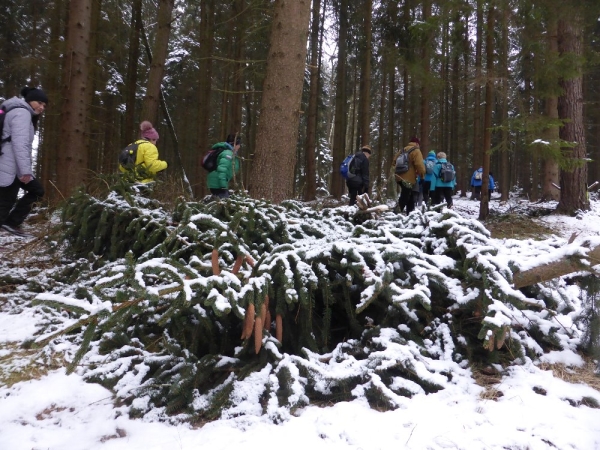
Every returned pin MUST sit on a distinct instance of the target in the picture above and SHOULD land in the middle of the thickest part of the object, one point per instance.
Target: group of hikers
(147, 164)
(19, 116)
(430, 180)
(433, 178)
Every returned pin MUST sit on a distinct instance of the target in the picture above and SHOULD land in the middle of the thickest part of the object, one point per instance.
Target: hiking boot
(17, 231)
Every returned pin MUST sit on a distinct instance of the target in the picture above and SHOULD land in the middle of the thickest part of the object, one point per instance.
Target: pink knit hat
(148, 132)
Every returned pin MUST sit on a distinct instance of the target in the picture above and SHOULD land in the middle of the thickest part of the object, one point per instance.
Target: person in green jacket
(228, 164)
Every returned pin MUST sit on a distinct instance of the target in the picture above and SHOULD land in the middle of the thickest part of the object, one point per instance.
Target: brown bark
(484, 208)
(477, 156)
(364, 116)
(340, 119)
(549, 271)
(52, 118)
(504, 150)
(454, 114)
(206, 33)
(464, 173)
(160, 51)
(379, 155)
(96, 81)
(237, 96)
(72, 160)
(573, 183)
(130, 131)
(310, 186)
(425, 92)
(272, 175)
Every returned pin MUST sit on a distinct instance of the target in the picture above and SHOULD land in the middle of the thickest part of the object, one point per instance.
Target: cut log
(549, 271)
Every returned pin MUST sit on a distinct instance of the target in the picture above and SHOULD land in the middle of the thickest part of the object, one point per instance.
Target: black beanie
(232, 137)
(34, 95)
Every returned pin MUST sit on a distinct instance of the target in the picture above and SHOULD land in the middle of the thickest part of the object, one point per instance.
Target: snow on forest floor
(537, 410)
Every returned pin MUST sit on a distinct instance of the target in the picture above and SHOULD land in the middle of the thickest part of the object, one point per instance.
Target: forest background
(510, 85)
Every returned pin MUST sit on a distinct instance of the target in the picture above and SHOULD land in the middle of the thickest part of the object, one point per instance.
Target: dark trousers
(426, 187)
(353, 191)
(221, 193)
(476, 195)
(13, 212)
(442, 192)
(406, 199)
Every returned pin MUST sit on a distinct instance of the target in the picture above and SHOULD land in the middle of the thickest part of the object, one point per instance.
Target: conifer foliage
(240, 306)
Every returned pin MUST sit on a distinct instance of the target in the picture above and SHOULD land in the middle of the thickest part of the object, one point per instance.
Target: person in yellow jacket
(406, 177)
(147, 164)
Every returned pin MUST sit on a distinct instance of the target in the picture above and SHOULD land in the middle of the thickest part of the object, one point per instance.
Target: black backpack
(128, 156)
(211, 157)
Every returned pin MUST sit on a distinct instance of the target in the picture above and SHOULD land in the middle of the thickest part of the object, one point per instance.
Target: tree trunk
(340, 119)
(273, 170)
(131, 131)
(391, 73)
(237, 96)
(52, 117)
(456, 156)
(72, 160)
(465, 128)
(573, 183)
(206, 33)
(364, 116)
(379, 156)
(504, 172)
(425, 92)
(97, 77)
(477, 158)
(160, 52)
(555, 269)
(484, 208)
(310, 185)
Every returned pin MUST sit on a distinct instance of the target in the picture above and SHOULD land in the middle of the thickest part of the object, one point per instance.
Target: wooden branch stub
(248, 321)
(215, 262)
(238, 264)
(279, 328)
(258, 334)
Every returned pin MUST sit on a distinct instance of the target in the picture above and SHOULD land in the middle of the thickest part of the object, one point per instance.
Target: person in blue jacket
(491, 186)
(429, 166)
(476, 182)
(440, 187)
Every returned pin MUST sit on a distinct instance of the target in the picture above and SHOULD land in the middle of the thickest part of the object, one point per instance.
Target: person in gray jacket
(16, 170)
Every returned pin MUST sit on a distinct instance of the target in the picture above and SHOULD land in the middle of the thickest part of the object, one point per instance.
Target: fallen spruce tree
(241, 307)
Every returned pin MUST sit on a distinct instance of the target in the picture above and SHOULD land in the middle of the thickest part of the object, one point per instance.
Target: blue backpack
(348, 168)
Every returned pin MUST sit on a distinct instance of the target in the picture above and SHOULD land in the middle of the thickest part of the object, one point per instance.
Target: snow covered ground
(535, 411)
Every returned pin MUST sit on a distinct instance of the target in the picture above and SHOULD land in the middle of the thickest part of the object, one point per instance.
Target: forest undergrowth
(216, 309)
